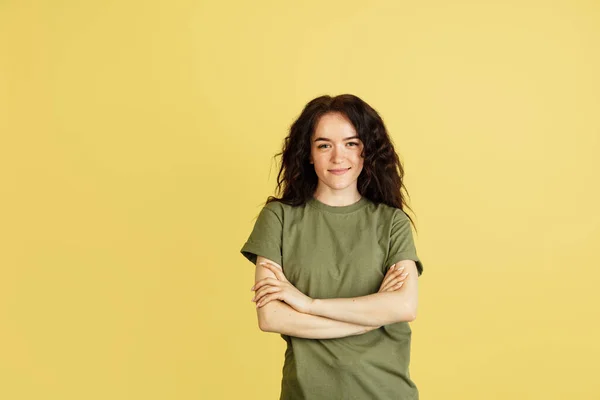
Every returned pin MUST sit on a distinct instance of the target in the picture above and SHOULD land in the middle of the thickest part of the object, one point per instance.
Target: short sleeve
(266, 237)
(402, 246)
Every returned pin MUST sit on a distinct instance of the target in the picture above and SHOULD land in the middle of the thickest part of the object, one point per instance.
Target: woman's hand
(393, 280)
(268, 289)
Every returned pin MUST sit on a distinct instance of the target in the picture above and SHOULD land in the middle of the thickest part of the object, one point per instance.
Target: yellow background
(137, 143)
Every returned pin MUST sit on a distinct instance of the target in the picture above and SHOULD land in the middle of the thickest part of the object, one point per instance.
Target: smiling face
(335, 151)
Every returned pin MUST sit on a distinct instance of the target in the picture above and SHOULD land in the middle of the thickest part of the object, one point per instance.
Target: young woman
(336, 265)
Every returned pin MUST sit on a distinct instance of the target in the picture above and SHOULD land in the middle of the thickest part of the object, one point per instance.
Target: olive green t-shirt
(329, 252)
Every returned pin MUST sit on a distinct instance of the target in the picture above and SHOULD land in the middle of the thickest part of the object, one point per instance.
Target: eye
(321, 146)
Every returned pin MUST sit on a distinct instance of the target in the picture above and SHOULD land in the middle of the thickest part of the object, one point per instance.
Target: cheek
(358, 158)
(359, 164)
(321, 158)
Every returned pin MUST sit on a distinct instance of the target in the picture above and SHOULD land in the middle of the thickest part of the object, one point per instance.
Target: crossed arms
(340, 317)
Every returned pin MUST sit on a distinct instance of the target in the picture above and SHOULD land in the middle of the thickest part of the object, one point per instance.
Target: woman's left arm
(377, 308)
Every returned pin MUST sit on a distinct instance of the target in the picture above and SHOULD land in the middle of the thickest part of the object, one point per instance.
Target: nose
(337, 155)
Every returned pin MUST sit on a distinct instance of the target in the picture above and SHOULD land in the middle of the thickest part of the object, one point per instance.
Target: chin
(340, 185)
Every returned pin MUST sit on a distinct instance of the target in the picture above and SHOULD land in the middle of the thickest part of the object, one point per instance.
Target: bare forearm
(376, 309)
(285, 320)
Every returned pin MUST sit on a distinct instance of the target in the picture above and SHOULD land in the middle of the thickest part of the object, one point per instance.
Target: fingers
(394, 268)
(393, 271)
(266, 299)
(393, 279)
(392, 287)
(265, 281)
(392, 274)
(264, 291)
(397, 279)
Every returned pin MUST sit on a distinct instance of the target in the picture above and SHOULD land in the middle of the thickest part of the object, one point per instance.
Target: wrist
(313, 307)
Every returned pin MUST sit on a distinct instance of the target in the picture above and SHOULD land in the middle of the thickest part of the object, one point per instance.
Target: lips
(339, 171)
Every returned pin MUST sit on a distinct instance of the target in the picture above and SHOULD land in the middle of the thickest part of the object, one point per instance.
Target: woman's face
(335, 146)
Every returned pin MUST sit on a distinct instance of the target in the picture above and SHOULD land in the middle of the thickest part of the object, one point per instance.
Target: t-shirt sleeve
(402, 246)
(266, 237)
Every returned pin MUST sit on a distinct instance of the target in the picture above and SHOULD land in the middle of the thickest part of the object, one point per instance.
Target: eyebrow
(328, 140)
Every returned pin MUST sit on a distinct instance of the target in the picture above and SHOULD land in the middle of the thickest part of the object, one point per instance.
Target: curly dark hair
(381, 177)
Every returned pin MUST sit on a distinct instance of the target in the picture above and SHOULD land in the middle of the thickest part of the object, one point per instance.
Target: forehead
(334, 126)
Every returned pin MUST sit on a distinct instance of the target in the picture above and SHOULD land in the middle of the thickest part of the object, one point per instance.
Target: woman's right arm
(278, 317)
